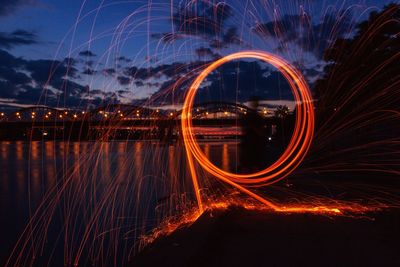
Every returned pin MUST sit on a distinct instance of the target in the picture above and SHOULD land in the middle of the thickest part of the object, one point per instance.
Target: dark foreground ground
(238, 237)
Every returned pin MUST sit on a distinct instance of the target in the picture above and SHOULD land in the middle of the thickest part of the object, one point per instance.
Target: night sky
(80, 54)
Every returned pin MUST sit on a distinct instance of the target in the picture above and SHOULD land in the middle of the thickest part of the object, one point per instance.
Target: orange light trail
(291, 157)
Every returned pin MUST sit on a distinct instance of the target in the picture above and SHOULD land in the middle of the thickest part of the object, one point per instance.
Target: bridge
(115, 121)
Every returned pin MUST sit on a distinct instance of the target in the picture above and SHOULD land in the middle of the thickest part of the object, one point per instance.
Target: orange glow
(349, 209)
(291, 157)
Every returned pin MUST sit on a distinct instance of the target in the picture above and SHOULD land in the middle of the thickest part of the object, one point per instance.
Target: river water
(143, 180)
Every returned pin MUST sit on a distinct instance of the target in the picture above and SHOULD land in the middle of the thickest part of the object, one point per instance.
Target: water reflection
(124, 171)
(50, 160)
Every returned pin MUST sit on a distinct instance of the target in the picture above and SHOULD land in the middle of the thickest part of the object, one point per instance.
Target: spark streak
(289, 160)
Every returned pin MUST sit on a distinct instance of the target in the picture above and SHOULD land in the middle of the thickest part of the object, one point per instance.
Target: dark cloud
(34, 95)
(13, 76)
(57, 82)
(87, 53)
(9, 40)
(333, 26)
(286, 29)
(89, 71)
(206, 19)
(25, 80)
(69, 88)
(299, 30)
(140, 73)
(123, 80)
(89, 63)
(7, 7)
(233, 82)
(109, 72)
(7, 89)
(169, 70)
(44, 70)
(139, 83)
(205, 51)
(48, 82)
(124, 59)
(239, 81)
(122, 92)
(11, 79)
(231, 37)
(201, 17)
(70, 61)
(9, 61)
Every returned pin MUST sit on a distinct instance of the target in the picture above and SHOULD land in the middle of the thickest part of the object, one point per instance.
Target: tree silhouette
(281, 112)
(363, 72)
(358, 99)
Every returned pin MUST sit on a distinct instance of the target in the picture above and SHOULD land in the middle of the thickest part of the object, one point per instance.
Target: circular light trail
(290, 158)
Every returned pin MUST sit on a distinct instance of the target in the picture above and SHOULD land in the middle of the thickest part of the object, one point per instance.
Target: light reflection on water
(30, 170)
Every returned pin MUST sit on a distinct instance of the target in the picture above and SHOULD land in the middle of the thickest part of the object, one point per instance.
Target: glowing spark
(289, 160)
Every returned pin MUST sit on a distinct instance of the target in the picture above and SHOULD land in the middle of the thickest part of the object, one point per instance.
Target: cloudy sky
(93, 52)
